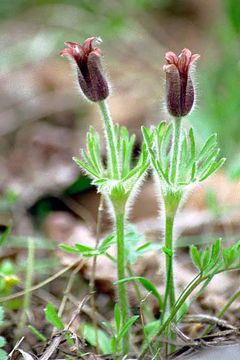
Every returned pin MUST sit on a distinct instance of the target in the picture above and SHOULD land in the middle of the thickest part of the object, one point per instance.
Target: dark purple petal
(91, 78)
(179, 86)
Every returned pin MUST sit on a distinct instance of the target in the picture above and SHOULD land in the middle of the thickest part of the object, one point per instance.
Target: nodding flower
(180, 94)
(91, 77)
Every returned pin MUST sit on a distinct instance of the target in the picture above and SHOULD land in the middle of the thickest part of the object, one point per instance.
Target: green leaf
(147, 284)
(208, 146)
(208, 162)
(37, 333)
(195, 256)
(127, 326)
(4, 235)
(117, 317)
(216, 247)
(184, 149)
(148, 246)
(3, 355)
(167, 251)
(147, 136)
(103, 339)
(114, 344)
(209, 260)
(85, 167)
(84, 248)
(2, 341)
(193, 172)
(228, 257)
(166, 144)
(159, 131)
(85, 251)
(161, 172)
(151, 327)
(107, 242)
(52, 317)
(206, 258)
(214, 167)
(68, 248)
(192, 145)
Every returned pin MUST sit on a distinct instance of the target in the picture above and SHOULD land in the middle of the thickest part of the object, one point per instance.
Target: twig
(207, 319)
(88, 311)
(15, 348)
(78, 311)
(181, 335)
(142, 302)
(80, 210)
(59, 337)
(68, 288)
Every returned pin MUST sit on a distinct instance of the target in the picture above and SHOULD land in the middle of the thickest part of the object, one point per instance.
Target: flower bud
(179, 86)
(91, 78)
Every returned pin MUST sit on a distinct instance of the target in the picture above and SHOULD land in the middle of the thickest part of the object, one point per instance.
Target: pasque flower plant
(171, 153)
(119, 180)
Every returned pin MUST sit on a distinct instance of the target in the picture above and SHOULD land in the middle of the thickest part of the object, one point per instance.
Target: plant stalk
(110, 138)
(169, 298)
(234, 297)
(121, 265)
(182, 298)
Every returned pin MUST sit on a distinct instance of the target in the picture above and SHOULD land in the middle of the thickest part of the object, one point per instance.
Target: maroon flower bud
(179, 86)
(91, 78)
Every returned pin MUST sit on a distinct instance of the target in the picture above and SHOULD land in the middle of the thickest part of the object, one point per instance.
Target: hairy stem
(177, 122)
(121, 264)
(169, 297)
(111, 139)
(94, 267)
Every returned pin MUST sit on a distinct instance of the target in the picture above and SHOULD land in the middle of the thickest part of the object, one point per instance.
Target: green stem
(169, 297)
(185, 294)
(170, 289)
(121, 264)
(224, 309)
(177, 122)
(111, 138)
